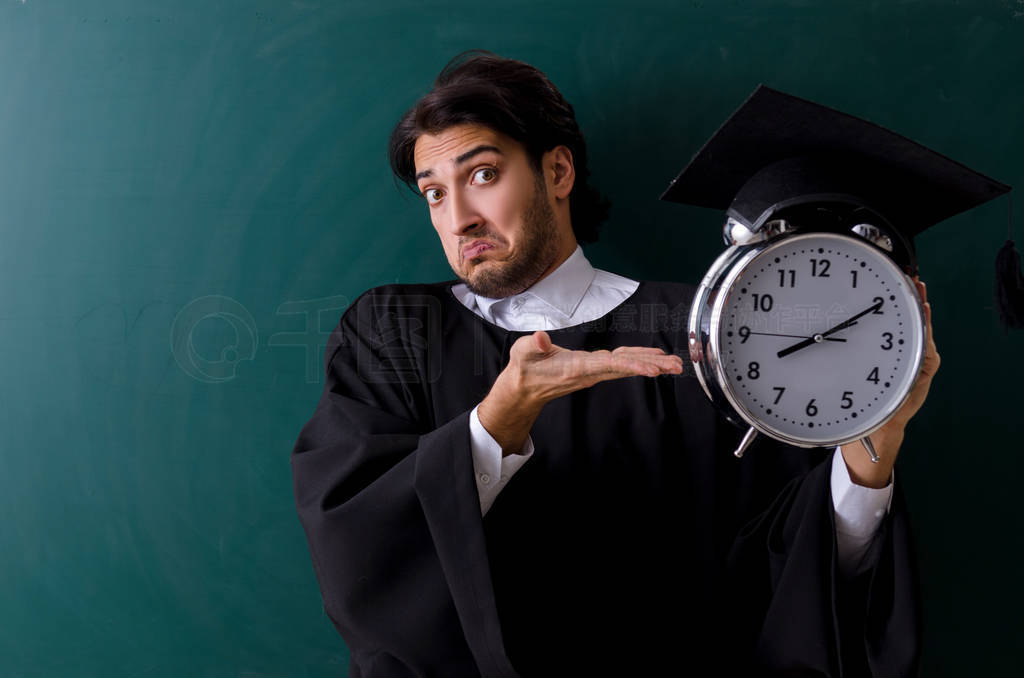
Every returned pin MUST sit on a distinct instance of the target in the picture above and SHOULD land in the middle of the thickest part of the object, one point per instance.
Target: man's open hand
(539, 371)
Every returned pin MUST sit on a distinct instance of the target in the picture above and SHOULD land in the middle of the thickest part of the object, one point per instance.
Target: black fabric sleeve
(794, 613)
(392, 516)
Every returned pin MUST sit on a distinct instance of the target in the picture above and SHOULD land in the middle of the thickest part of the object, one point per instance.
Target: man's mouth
(474, 248)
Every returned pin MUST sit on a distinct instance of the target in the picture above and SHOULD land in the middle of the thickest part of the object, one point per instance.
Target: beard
(537, 251)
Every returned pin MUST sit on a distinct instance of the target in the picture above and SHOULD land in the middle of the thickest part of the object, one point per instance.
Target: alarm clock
(809, 329)
(812, 337)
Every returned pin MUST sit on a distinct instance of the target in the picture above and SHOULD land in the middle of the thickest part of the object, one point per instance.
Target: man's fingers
(566, 365)
(931, 359)
(650, 355)
(639, 349)
(542, 341)
(623, 364)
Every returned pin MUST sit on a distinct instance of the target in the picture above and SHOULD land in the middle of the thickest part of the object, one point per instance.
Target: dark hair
(510, 97)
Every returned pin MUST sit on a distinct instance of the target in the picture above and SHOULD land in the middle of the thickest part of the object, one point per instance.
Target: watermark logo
(188, 323)
(318, 326)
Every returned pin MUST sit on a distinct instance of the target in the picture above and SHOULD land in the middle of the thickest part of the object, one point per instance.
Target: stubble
(536, 253)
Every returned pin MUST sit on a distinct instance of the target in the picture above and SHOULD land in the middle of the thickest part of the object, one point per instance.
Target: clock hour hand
(817, 338)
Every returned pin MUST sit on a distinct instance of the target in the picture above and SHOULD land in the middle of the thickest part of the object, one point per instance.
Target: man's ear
(559, 171)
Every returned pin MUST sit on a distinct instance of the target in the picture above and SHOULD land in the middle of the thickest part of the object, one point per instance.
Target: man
(512, 474)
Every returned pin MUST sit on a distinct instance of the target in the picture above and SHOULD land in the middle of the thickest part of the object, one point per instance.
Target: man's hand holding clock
(887, 439)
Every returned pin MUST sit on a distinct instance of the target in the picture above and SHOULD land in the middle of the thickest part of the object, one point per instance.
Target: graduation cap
(779, 154)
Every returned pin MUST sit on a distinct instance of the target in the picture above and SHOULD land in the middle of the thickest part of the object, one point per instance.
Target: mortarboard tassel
(1009, 283)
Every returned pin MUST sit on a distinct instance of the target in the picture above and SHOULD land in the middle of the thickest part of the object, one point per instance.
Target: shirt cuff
(492, 470)
(859, 511)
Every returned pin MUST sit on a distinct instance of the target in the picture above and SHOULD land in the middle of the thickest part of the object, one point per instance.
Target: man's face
(481, 190)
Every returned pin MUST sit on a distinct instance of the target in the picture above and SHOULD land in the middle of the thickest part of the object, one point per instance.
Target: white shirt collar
(562, 289)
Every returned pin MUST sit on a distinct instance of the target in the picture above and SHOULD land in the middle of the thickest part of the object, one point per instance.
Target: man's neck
(565, 251)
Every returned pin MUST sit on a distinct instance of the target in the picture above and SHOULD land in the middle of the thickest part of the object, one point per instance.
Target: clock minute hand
(819, 337)
(847, 323)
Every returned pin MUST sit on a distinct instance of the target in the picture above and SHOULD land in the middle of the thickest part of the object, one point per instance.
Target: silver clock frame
(705, 320)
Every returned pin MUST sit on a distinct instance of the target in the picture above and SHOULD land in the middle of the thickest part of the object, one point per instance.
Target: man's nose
(463, 216)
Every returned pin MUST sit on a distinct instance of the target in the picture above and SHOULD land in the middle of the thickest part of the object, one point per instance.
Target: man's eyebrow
(461, 159)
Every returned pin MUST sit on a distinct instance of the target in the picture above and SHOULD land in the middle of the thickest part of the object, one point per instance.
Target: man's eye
(426, 194)
(490, 171)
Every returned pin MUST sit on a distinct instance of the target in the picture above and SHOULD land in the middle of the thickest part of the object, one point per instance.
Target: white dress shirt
(575, 293)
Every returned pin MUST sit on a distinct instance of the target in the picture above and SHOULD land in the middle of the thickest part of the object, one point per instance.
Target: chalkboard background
(192, 192)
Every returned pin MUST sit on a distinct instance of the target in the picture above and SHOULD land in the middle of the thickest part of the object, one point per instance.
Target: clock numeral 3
(888, 341)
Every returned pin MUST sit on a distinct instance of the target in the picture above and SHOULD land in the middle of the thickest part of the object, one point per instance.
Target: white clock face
(820, 337)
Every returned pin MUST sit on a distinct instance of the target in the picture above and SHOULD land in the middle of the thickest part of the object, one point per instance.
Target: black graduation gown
(632, 542)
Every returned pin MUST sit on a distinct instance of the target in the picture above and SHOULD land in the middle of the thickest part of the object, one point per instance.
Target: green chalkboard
(192, 192)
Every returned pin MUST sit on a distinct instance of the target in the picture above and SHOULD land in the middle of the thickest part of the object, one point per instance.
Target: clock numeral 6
(847, 401)
(811, 408)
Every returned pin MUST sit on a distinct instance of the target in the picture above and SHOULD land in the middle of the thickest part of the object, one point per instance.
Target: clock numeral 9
(811, 408)
(753, 371)
(744, 334)
(888, 341)
(825, 263)
(782, 277)
(847, 402)
(762, 302)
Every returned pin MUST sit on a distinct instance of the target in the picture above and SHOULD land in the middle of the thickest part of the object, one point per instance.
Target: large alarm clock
(808, 329)
(811, 337)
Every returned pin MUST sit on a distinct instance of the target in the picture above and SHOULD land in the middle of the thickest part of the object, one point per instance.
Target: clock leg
(866, 441)
(745, 443)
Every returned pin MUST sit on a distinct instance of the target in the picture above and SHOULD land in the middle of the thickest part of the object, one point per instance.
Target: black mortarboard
(777, 151)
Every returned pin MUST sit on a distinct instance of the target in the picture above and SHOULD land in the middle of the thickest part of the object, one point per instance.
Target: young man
(511, 473)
